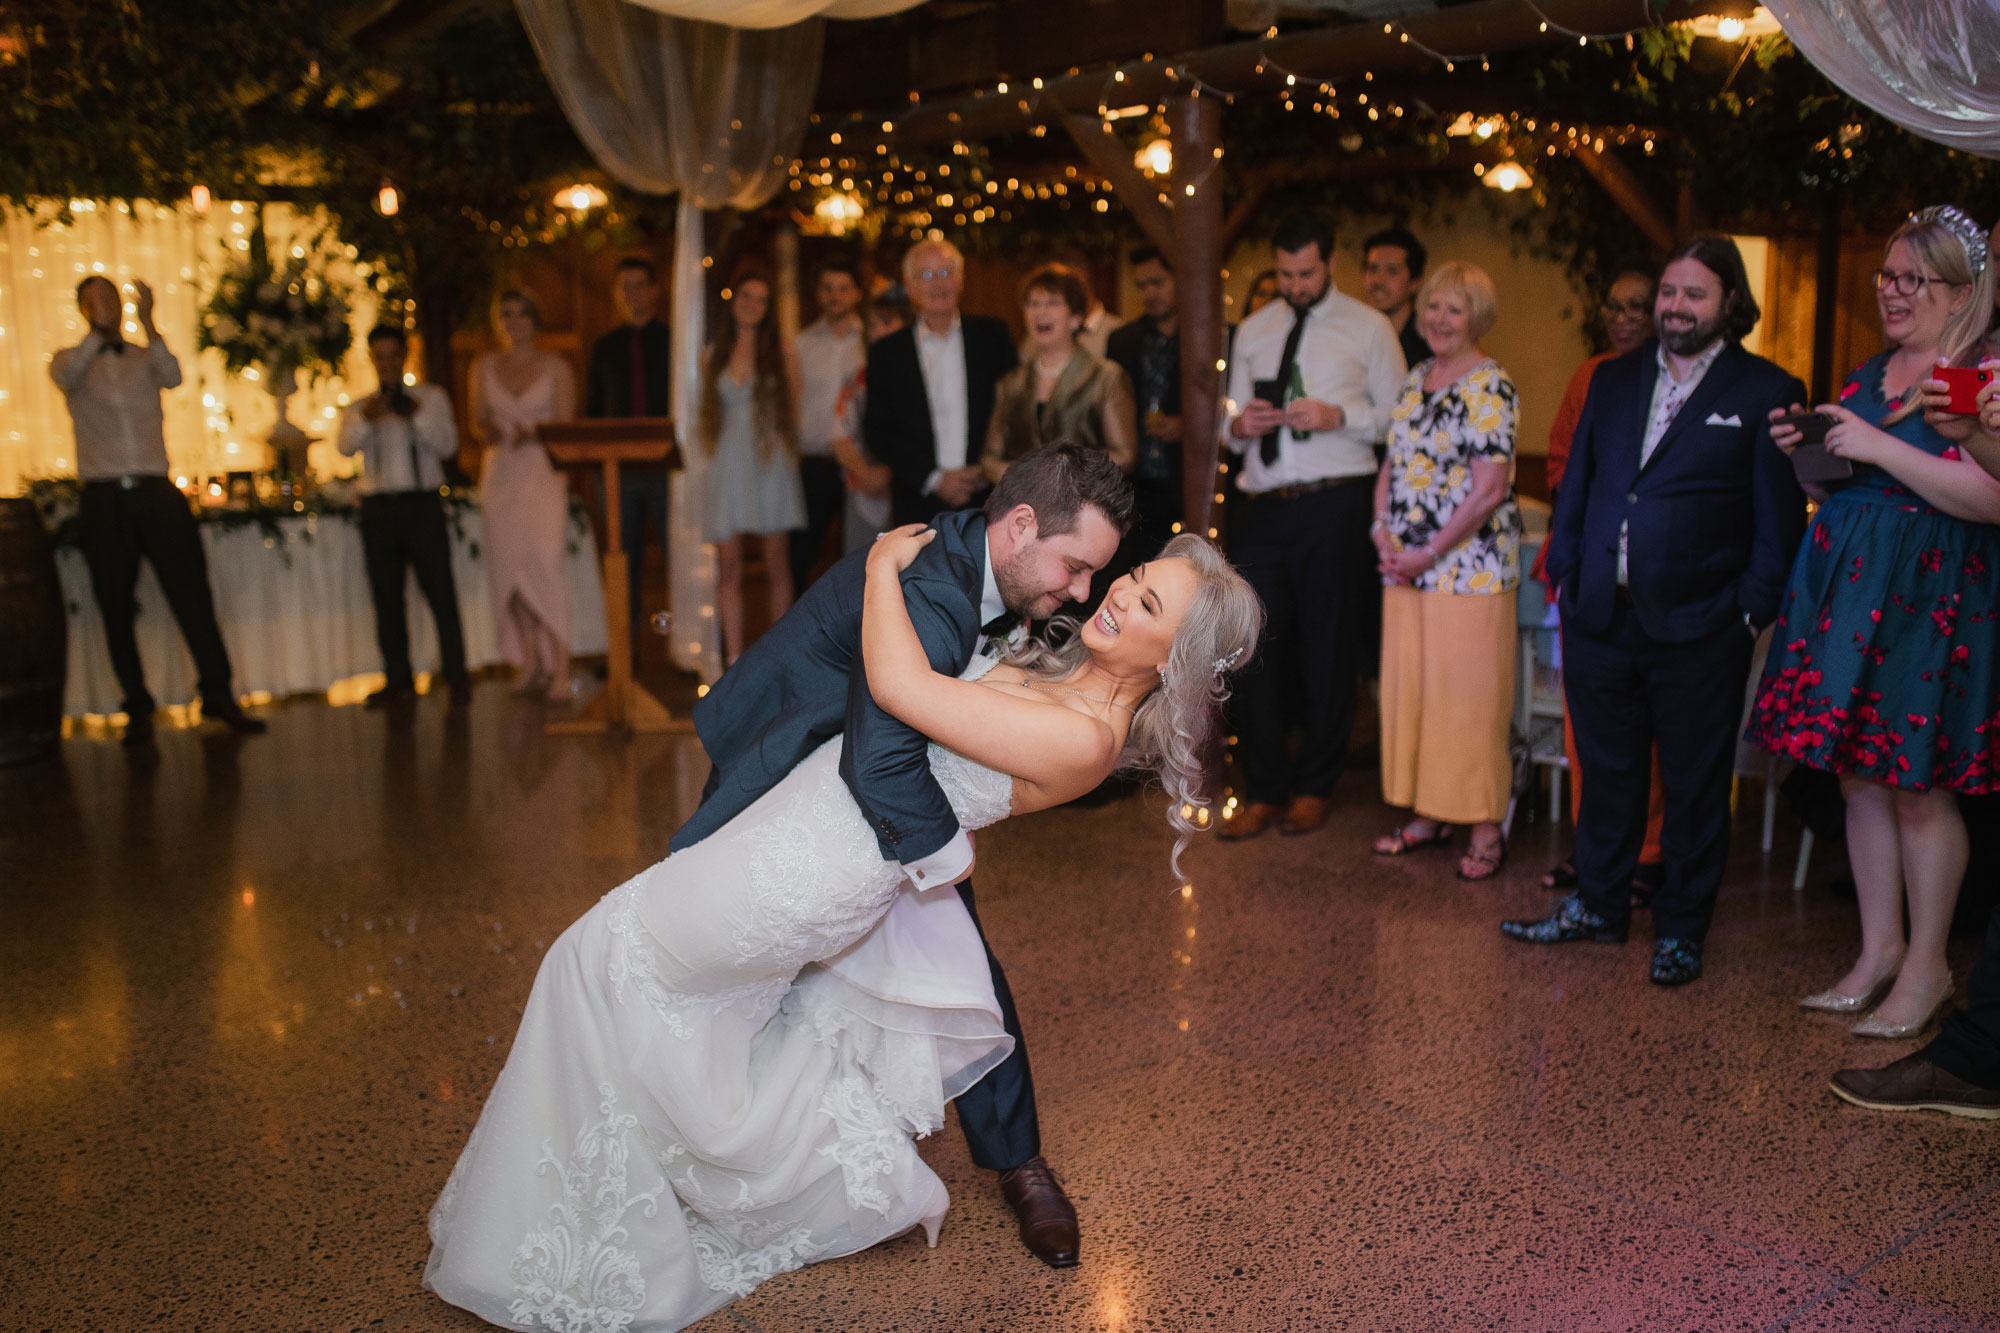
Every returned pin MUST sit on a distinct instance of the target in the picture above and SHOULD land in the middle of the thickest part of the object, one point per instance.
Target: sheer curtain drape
(1931, 66)
(775, 13)
(667, 105)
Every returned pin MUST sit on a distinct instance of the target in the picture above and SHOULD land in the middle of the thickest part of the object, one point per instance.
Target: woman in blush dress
(524, 500)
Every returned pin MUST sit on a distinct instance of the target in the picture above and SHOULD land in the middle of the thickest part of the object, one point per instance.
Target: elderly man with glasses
(930, 390)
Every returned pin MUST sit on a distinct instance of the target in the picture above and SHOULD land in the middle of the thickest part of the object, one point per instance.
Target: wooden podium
(607, 442)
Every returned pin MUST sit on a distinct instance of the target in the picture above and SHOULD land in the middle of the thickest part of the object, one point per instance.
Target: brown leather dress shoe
(1048, 1221)
(1306, 814)
(1248, 821)
(1915, 1084)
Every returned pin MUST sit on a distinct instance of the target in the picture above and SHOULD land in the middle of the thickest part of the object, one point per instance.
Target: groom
(1054, 520)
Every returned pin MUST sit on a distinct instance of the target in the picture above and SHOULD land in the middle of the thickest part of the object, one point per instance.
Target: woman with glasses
(1885, 659)
(1626, 316)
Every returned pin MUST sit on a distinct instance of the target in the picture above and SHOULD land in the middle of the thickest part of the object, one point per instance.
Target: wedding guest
(403, 434)
(1098, 323)
(930, 390)
(1625, 316)
(1958, 1072)
(1392, 264)
(831, 351)
(631, 375)
(1263, 291)
(1149, 349)
(1883, 666)
(1315, 376)
(1063, 393)
(867, 478)
(523, 500)
(1449, 535)
(1673, 455)
(130, 508)
(748, 424)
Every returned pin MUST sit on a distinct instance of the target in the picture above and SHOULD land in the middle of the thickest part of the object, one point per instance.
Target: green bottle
(1296, 389)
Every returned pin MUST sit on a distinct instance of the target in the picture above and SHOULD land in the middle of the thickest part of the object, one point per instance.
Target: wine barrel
(34, 637)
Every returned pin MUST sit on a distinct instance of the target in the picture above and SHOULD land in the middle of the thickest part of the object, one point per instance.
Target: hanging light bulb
(387, 201)
(199, 198)
(838, 213)
(1508, 177)
(1156, 158)
(581, 197)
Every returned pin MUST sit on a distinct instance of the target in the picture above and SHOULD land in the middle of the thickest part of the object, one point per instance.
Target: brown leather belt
(1294, 491)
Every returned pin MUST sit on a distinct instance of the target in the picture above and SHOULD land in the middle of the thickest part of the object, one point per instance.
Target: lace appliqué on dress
(810, 900)
(739, 1268)
(572, 1275)
(869, 1144)
(979, 795)
(635, 959)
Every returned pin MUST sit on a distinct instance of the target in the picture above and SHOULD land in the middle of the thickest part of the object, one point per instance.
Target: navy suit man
(1053, 521)
(1672, 540)
(631, 375)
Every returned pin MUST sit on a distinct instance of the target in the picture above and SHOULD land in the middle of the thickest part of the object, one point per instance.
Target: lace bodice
(979, 795)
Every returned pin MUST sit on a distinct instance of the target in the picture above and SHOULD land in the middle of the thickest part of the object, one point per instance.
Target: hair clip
(1223, 664)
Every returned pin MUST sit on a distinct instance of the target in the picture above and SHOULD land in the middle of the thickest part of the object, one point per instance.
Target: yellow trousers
(1447, 700)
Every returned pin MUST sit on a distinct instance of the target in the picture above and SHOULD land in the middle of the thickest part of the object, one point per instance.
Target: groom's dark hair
(1057, 482)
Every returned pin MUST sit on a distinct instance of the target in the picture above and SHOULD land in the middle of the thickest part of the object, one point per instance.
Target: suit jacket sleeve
(1780, 508)
(597, 393)
(885, 763)
(1566, 525)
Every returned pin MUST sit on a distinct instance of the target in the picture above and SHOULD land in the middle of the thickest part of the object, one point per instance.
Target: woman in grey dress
(748, 427)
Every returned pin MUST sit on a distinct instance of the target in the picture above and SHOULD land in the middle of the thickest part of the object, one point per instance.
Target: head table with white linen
(291, 595)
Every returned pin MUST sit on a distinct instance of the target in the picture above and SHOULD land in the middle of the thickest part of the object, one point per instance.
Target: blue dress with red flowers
(1885, 660)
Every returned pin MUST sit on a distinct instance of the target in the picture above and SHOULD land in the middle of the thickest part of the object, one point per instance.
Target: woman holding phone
(1885, 662)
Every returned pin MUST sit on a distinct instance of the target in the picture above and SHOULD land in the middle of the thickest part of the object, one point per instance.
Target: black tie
(1000, 626)
(1267, 448)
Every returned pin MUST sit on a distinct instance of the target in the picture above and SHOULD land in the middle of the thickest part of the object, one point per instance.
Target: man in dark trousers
(404, 433)
(1054, 519)
(632, 375)
(131, 509)
(930, 390)
(1672, 540)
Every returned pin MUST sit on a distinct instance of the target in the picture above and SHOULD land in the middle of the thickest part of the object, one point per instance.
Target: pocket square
(1717, 419)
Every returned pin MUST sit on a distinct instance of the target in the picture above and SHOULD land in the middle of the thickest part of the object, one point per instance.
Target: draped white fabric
(1931, 66)
(297, 617)
(215, 422)
(667, 104)
(775, 13)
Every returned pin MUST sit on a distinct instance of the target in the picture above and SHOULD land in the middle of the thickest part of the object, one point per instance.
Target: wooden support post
(1195, 124)
(1105, 152)
(1628, 193)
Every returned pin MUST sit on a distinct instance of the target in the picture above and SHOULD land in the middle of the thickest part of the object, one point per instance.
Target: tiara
(1969, 233)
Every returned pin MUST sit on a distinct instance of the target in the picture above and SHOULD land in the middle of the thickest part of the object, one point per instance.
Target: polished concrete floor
(254, 992)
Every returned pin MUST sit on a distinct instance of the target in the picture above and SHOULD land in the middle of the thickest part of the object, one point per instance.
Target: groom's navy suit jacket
(802, 684)
(1713, 518)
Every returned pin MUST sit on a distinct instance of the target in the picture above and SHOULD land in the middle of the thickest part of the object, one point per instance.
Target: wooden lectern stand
(608, 442)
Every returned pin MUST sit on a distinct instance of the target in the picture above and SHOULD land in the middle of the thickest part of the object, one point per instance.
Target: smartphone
(1965, 382)
(1811, 463)
(1811, 426)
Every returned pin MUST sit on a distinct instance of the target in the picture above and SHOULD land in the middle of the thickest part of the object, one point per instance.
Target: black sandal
(1488, 862)
(1401, 843)
(1561, 875)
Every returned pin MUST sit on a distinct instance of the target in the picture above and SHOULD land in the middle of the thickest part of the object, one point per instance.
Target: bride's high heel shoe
(1875, 1026)
(1832, 1001)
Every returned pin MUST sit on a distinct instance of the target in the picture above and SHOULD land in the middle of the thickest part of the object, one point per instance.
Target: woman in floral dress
(1448, 532)
(1885, 661)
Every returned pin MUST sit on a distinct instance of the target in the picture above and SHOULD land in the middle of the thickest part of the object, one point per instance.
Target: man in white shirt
(831, 351)
(1313, 379)
(403, 434)
(131, 509)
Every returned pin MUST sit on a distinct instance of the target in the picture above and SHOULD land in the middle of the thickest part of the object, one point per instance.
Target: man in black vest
(930, 390)
(632, 375)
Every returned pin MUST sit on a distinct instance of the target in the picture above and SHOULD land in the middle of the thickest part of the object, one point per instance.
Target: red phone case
(1965, 382)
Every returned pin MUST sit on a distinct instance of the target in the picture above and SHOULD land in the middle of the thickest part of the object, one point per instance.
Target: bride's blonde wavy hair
(1174, 728)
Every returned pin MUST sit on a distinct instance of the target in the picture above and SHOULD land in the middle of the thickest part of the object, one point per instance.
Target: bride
(723, 1064)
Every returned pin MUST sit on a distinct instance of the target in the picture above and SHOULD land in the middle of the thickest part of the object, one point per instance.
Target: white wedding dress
(721, 1070)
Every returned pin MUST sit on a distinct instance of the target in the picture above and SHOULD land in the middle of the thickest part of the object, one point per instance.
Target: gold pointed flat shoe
(1874, 1026)
(1831, 1001)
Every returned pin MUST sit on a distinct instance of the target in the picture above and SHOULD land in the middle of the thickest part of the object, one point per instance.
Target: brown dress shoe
(1306, 814)
(1915, 1084)
(1048, 1221)
(1248, 821)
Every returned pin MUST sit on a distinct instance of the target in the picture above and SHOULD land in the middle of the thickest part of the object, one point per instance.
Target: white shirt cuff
(944, 865)
(931, 482)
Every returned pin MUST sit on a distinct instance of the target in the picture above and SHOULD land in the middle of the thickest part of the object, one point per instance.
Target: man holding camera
(404, 432)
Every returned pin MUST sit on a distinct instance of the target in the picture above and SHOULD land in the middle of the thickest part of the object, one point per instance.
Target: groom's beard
(1018, 592)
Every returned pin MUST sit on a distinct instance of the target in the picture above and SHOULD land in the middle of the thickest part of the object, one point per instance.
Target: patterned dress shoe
(1676, 962)
(1048, 1219)
(1915, 1084)
(1572, 921)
